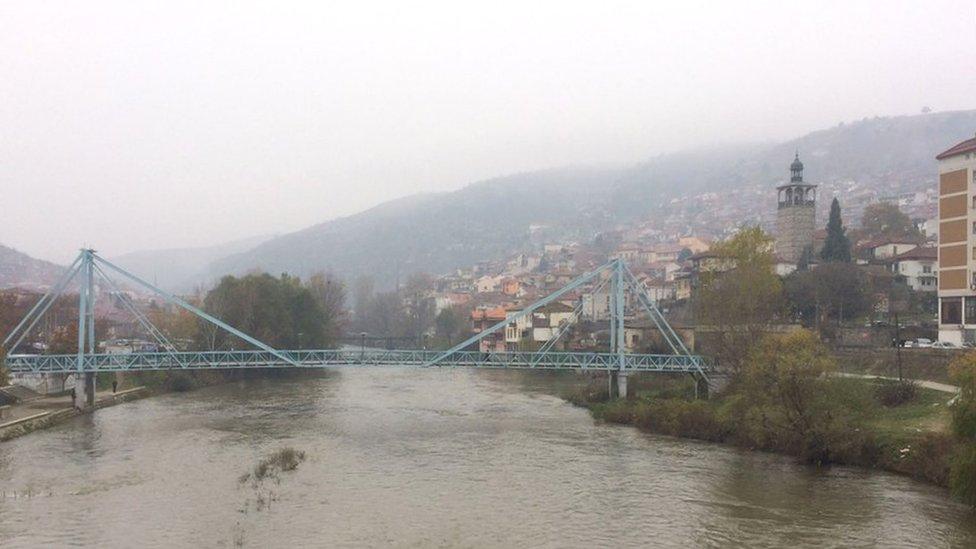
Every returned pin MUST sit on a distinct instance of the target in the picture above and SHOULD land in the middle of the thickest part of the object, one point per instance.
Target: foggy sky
(133, 125)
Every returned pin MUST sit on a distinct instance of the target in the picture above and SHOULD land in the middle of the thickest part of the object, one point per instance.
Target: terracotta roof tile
(966, 146)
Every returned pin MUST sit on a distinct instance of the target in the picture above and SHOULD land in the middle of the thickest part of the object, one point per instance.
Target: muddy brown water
(432, 458)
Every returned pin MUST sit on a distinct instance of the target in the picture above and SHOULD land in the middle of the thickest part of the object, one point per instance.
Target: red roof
(966, 146)
(922, 252)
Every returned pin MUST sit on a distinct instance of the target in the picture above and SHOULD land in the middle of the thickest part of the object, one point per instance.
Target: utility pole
(898, 345)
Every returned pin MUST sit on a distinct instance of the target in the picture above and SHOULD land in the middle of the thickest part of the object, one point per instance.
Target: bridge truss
(91, 272)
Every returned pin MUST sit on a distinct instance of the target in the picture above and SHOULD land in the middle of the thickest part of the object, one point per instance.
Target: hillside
(180, 269)
(486, 220)
(20, 270)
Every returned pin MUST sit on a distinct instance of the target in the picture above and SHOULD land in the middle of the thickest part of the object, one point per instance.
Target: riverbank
(45, 412)
(910, 439)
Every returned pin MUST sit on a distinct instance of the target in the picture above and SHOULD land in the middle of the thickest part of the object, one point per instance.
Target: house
(510, 286)
(668, 253)
(449, 300)
(517, 331)
(682, 284)
(487, 283)
(483, 318)
(888, 247)
(693, 243)
(659, 289)
(549, 319)
(710, 262)
(596, 303)
(783, 268)
(628, 252)
(918, 266)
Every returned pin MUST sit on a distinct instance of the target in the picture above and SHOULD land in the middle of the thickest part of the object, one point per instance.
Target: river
(432, 458)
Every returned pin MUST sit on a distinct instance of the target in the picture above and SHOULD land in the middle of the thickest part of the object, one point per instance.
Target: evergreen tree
(837, 247)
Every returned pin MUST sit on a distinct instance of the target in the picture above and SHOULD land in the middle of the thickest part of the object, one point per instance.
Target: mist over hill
(18, 269)
(489, 219)
(181, 268)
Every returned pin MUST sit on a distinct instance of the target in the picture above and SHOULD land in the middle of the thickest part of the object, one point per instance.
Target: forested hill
(21, 270)
(488, 219)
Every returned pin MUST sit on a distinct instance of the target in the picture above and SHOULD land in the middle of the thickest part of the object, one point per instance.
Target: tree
(885, 220)
(741, 298)
(384, 314)
(449, 323)
(962, 476)
(790, 403)
(280, 312)
(831, 290)
(330, 293)
(362, 295)
(837, 246)
(418, 310)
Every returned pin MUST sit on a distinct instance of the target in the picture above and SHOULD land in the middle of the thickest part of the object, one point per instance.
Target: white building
(918, 266)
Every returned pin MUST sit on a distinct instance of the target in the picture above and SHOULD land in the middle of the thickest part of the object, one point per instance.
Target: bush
(285, 459)
(962, 478)
(616, 411)
(896, 393)
(4, 378)
(676, 417)
(593, 392)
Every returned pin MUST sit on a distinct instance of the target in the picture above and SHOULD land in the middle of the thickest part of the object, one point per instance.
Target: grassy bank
(910, 438)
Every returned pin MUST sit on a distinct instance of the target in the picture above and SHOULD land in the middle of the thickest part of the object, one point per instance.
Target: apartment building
(957, 243)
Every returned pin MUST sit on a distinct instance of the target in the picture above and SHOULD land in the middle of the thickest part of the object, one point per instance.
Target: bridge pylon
(619, 282)
(87, 269)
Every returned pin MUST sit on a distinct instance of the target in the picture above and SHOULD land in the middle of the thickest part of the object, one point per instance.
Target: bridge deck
(218, 360)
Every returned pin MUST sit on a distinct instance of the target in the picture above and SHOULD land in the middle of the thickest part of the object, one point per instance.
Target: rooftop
(922, 252)
(964, 147)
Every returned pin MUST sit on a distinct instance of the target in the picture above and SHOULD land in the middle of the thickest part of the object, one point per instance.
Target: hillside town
(669, 265)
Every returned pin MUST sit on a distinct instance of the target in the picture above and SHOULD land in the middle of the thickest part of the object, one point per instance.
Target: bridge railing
(195, 360)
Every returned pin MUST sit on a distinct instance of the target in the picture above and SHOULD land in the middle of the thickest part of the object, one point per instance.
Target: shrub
(896, 393)
(285, 459)
(616, 411)
(4, 378)
(593, 392)
(677, 417)
(962, 478)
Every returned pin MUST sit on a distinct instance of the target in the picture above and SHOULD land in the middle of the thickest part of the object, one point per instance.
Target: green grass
(928, 412)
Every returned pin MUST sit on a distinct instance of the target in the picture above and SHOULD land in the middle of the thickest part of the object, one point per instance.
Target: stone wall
(795, 226)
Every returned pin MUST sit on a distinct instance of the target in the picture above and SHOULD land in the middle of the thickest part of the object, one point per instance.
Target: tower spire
(796, 169)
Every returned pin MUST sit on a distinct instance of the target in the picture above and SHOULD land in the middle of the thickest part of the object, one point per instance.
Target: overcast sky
(136, 125)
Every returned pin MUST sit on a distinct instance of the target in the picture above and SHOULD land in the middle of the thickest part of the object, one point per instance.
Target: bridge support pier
(617, 384)
(84, 391)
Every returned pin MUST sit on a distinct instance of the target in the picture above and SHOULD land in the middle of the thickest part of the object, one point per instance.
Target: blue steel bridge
(223, 360)
(92, 275)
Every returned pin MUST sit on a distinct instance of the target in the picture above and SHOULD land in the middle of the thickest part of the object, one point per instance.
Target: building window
(970, 310)
(926, 269)
(951, 310)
